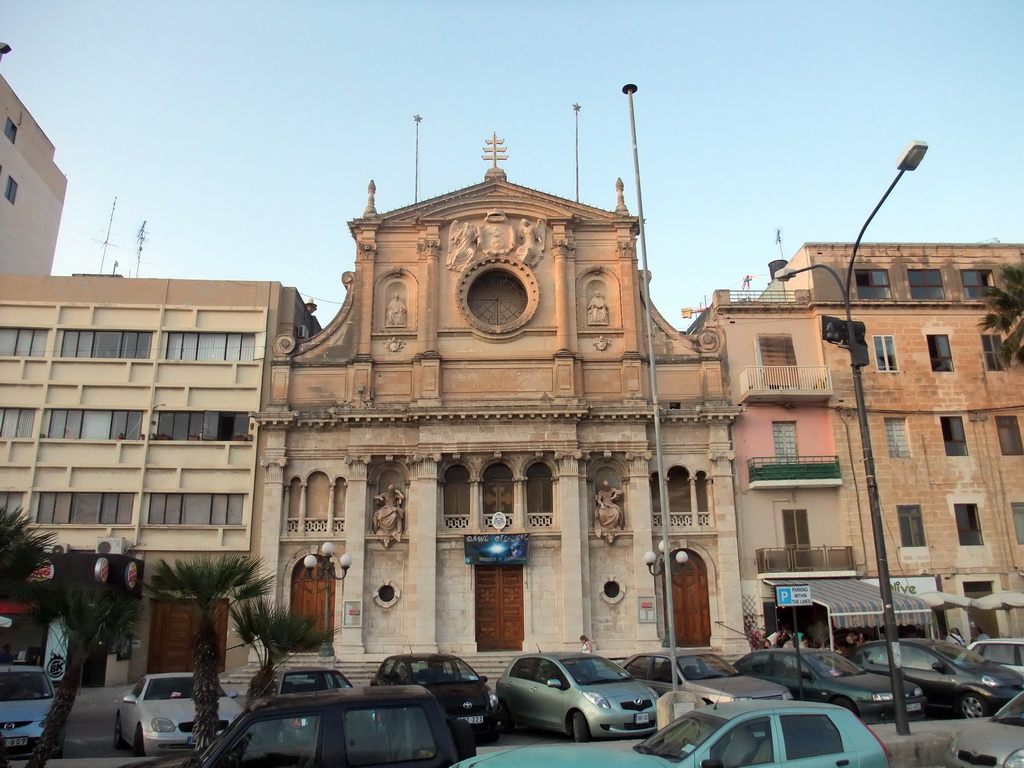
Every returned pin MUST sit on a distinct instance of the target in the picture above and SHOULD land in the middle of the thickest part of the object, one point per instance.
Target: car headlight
(163, 725)
(787, 695)
(492, 701)
(597, 699)
(918, 691)
(991, 682)
(1015, 759)
(887, 696)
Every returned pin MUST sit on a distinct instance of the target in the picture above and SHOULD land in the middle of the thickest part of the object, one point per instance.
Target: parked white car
(1008, 651)
(157, 715)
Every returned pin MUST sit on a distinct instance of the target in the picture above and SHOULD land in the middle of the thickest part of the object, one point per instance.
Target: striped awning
(855, 603)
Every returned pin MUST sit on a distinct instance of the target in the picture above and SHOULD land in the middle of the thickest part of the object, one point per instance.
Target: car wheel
(138, 745)
(971, 705)
(506, 715)
(845, 703)
(580, 728)
(119, 742)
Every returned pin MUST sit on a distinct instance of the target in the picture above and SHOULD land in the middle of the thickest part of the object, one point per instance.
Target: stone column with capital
(354, 585)
(272, 521)
(574, 563)
(421, 531)
(565, 318)
(724, 521)
(641, 519)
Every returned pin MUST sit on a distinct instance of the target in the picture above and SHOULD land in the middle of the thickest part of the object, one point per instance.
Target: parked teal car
(826, 676)
(734, 734)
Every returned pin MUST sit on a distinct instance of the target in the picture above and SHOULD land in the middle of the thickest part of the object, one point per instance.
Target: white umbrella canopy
(944, 601)
(1000, 601)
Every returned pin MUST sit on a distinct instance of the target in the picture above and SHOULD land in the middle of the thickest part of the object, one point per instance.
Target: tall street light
(670, 620)
(325, 571)
(854, 338)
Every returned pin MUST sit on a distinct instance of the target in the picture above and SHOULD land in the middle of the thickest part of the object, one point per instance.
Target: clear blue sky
(245, 132)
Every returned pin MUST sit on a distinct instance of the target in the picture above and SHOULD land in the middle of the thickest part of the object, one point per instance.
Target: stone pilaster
(641, 519)
(724, 521)
(268, 548)
(421, 529)
(573, 567)
(354, 587)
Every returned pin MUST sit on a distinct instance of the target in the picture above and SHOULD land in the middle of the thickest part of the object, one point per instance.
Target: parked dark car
(462, 692)
(309, 679)
(706, 674)
(833, 679)
(579, 694)
(951, 676)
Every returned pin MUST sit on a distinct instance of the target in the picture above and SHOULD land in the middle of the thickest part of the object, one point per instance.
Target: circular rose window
(497, 296)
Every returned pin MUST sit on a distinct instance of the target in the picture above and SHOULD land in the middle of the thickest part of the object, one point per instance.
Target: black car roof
(388, 695)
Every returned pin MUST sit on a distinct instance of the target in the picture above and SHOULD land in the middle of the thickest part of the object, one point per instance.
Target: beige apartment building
(32, 191)
(475, 429)
(945, 427)
(125, 423)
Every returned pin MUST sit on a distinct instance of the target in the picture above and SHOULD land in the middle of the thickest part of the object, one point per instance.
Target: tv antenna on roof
(141, 239)
(106, 242)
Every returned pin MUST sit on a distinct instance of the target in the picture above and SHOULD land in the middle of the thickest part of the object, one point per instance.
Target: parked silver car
(706, 674)
(26, 696)
(580, 694)
(998, 740)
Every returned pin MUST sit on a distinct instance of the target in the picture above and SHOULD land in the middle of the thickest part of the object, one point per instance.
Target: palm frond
(203, 583)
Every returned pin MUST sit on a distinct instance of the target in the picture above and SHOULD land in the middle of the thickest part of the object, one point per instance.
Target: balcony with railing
(793, 472)
(804, 559)
(785, 383)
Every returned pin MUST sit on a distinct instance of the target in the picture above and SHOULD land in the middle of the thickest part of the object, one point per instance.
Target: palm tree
(89, 619)
(1006, 313)
(274, 634)
(22, 550)
(206, 585)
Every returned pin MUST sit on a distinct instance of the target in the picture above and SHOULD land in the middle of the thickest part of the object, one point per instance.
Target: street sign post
(791, 596)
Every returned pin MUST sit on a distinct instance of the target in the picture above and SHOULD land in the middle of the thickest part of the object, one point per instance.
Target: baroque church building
(475, 428)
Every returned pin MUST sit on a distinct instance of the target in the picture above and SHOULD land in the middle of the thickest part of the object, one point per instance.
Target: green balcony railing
(793, 468)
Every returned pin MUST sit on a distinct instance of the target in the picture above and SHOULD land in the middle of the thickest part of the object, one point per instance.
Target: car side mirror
(554, 682)
(938, 666)
(806, 676)
(483, 678)
(130, 698)
(232, 694)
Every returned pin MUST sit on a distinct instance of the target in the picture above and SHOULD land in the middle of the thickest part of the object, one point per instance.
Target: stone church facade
(475, 427)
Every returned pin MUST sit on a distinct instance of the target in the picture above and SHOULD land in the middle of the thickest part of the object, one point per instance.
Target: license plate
(642, 718)
(16, 741)
(189, 741)
(914, 706)
(473, 719)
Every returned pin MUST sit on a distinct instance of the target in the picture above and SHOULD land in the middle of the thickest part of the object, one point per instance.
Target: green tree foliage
(274, 635)
(205, 585)
(1005, 313)
(89, 618)
(22, 549)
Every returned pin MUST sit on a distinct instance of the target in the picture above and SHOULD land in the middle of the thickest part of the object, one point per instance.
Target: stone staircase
(490, 665)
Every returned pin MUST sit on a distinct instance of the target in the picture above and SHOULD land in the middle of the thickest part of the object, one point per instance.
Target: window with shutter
(776, 350)
(794, 528)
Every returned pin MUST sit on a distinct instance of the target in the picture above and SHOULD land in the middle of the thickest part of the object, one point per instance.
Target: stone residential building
(944, 417)
(125, 424)
(475, 429)
(32, 190)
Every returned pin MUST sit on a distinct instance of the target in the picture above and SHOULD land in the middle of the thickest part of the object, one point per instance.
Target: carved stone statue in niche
(597, 310)
(395, 315)
(531, 242)
(608, 518)
(389, 518)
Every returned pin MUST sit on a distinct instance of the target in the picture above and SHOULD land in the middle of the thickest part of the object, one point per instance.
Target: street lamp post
(658, 565)
(327, 573)
(908, 161)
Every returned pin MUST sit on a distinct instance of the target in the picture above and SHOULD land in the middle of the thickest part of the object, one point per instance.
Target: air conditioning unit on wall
(112, 545)
(59, 549)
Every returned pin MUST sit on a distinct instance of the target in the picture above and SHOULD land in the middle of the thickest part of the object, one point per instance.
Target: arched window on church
(540, 505)
(456, 498)
(701, 480)
(499, 493)
(294, 506)
(318, 500)
(679, 490)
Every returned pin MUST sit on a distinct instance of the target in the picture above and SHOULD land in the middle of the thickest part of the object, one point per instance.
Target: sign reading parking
(794, 594)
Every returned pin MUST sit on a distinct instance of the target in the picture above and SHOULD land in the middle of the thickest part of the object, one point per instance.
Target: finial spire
(620, 204)
(371, 210)
(494, 147)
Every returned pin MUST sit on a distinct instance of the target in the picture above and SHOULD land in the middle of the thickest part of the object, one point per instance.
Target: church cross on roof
(493, 148)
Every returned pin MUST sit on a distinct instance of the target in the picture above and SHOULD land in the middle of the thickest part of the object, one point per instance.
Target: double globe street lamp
(657, 565)
(321, 567)
(853, 335)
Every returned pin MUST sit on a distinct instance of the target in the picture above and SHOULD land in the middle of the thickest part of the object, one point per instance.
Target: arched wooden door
(690, 602)
(308, 596)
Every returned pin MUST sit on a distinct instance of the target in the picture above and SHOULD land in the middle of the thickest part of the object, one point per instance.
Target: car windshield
(589, 670)
(22, 686)
(164, 688)
(706, 666)
(434, 671)
(958, 654)
(679, 738)
(1012, 712)
(831, 664)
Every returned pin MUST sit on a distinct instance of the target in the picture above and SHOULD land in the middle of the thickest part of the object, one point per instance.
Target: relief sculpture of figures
(395, 315)
(608, 516)
(462, 243)
(389, 519)
(531, 242)
(597, 311)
